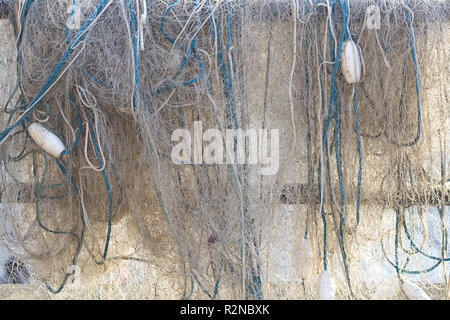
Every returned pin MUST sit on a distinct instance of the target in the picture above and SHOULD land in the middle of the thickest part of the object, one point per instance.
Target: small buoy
(46, 139)
(414, 292)
(304, 259)
(351, 62)
(327, 286)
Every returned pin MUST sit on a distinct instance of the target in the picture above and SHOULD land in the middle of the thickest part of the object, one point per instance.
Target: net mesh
(360, 170)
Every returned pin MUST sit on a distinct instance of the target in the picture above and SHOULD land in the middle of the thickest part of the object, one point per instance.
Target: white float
(327, 286)
(413, 291)
(46, 139)
(351, 62)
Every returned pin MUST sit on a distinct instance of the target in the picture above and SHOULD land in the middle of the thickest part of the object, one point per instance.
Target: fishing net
(348, 178)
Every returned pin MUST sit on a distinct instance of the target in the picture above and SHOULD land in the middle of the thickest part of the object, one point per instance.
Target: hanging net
(250, 149)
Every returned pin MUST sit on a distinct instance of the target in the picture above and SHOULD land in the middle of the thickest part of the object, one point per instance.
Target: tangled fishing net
(361, 185)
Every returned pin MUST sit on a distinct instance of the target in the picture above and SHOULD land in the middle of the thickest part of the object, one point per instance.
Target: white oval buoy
(351, 62)
(46, 139)
(413, 291)
(304, 259)
(327, 286)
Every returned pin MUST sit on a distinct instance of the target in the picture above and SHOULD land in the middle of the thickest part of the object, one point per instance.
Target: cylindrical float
(351, 62)
(46, 139)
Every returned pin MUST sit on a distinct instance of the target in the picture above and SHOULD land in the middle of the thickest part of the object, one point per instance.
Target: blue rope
(332, 109)
(358, 140)
(96, 79)
(333, 99)
(80, 35)
(403, 269)
(416, 78)
(319, 168)
(333, 112)
(78, 238)
(188, 53)
(413, 142)
(419, 250)
(226, 72)
(67, 42)
(135, 52)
